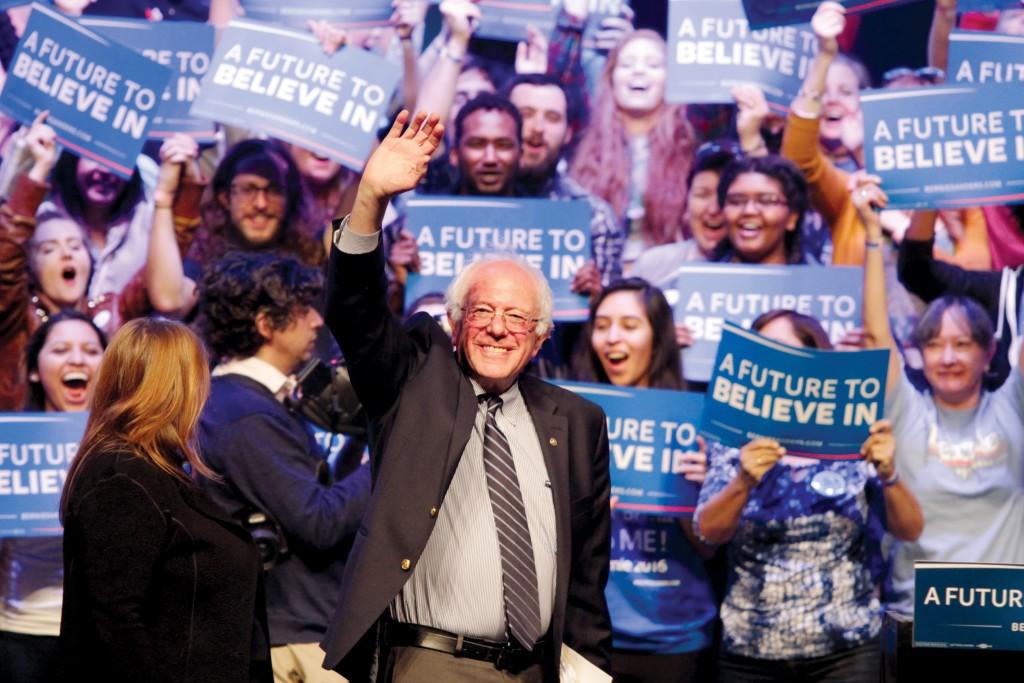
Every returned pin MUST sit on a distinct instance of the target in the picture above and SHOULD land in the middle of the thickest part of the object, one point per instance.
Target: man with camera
(258, 318)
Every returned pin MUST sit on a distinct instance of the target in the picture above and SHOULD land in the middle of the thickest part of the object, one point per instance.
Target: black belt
(504, 656)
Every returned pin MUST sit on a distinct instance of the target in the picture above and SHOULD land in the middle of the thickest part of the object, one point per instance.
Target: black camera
(267, 535)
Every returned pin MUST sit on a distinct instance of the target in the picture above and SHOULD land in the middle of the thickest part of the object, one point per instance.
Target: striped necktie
(518, 572)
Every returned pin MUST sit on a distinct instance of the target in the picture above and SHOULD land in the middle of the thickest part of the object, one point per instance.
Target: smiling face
(702, 214)
(545, 126)
(758, 218)
(623, 339)
(60, 261)
(488, 154)
(840, 102)
(256, 206)
(67, 365)
(494, 354)
(954, 363)
(99, 187)
(638, 79)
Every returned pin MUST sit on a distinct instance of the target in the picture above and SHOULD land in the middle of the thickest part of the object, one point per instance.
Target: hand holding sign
(868, 196)
(693, 465)
(880, 448)
(178, 153)
(751, 113)
(41, 141)
(759, 456)
(828, 22)
(400, 162)
(330, 37)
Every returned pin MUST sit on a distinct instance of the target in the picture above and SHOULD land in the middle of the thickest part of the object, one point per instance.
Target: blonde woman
(159, 584)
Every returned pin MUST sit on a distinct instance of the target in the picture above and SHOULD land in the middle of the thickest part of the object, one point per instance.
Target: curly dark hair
(666, 368)
(241, 286)
(36, 399)
(794, 189)
(271, 160)
(487, 102)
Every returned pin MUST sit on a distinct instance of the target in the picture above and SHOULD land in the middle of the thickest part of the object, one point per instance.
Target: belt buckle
(501, 663)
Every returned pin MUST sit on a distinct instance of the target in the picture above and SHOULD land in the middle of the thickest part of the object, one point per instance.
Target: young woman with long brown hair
(159, 583)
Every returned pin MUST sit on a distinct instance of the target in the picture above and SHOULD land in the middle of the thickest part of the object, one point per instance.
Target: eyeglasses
(481, 316)
(928, 74)
(761, 201)
(247, 192)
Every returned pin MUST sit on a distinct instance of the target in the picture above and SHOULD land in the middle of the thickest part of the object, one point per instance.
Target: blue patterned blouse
(799, 580)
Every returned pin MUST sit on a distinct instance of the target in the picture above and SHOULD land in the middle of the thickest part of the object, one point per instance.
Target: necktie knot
(493, 402)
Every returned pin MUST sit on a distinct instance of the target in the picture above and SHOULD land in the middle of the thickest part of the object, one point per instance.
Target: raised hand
(532, 54)
(407, 16)
(400, 162)
(330, 37)
(41, 141)
(828, 22)
(178, 153)
(751, 112)
(695, 463)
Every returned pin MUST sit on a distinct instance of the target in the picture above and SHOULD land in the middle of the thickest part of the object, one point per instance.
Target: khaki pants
(418, 665)
(301, 663)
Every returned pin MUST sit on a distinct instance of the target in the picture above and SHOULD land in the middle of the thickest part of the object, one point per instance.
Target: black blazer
(159, 584)
(421, 407)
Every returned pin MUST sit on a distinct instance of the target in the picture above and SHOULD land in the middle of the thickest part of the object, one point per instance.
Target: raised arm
(169, 290)
(877, 332)
(460, 18)
(943, 21)
(903, 516)
(408, 15)
(719, 518)
(751, 112)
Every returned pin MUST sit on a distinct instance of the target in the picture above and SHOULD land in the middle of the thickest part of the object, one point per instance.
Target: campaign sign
(183, 46)
(649, 432)
(280, 81)
(984, 58)
(967, 605)
(451, 232)
(816, 403)
(985, 5)
(507, 20)
(711, 50)
(36, 450)
(762, 13)
(946, 147)
(708, 294)
(350, 14)
(101, 97)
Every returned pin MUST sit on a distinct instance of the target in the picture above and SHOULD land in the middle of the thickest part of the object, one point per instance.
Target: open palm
(400, 161)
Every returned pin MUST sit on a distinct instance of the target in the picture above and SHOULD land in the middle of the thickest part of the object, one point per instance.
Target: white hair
(458, 289)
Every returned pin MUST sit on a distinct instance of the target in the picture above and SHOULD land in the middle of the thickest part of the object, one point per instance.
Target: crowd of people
(213, 308)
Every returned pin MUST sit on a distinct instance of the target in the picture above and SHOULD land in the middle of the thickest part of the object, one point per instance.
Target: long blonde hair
(150, 390)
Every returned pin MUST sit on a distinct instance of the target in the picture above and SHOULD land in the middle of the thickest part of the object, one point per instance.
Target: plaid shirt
(607, 237)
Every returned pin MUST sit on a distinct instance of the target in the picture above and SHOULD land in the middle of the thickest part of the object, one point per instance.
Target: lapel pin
(553, 441)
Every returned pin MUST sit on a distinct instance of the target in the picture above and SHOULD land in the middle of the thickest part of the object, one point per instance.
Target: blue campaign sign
(280, 81)
(815, 403)
(101, 97)
(764, 13)
(984, 58)
(36, 450)
(350, 14)
(708, 294)
(711, 49)
(649, 432)
(452, 232)
(949, 146)
(508, 19)
(968, 606)
(183, 46)
(985, 5)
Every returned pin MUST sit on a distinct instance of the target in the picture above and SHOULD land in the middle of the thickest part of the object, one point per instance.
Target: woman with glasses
(763, 201)
(658, 632)
(801, 601)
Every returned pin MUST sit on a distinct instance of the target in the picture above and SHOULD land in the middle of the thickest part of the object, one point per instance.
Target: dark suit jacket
(160, 585)
(422, 407)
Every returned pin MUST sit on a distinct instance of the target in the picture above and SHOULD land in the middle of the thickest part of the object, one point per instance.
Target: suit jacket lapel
(553, 433)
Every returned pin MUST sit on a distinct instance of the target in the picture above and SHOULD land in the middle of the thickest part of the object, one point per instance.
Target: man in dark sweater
(258, 318)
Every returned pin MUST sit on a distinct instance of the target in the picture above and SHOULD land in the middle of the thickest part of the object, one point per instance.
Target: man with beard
(546, 136)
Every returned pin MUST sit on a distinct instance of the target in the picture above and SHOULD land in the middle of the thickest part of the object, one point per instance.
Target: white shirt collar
(257, 370)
